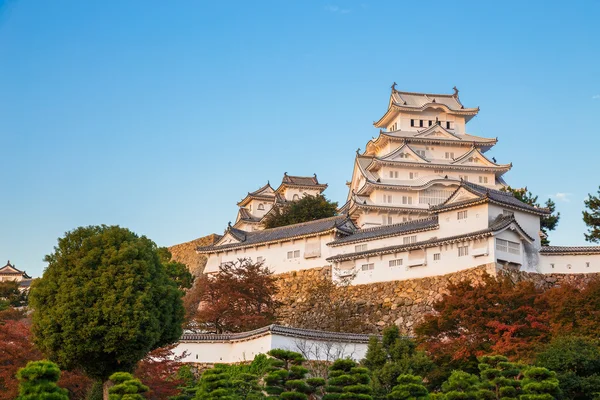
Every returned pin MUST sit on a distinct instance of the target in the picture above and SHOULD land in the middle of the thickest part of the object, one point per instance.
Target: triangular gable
(404, 153)
(439, 132)
(9, 269)
(474, 157)
(232, 236)
(460, 195)
(516, 228)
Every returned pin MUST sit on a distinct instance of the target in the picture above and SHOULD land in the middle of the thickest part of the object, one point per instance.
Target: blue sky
(159, 116)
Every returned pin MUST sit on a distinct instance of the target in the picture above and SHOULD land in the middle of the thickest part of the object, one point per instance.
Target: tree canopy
(238, 298)
(591, 217)
(38, 381)
(308, 208)
(547, 223)
(104, 301)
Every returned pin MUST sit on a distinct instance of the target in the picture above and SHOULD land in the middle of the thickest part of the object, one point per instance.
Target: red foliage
(497, 317)
(16, 350)
(238, 298)
(76, 383)
(158, 371)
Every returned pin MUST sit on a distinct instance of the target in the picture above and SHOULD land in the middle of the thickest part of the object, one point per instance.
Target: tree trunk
(105, 386)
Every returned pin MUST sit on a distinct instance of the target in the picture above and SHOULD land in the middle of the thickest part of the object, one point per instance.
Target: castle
(423, 200)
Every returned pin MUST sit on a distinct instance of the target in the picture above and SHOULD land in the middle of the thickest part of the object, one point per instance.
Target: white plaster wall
(449, 262)
(507, 256)
(370, 219)
(290, 192)
(529, 222)
(569, 264)
(275, 255)
(239, 351)
(477, 219)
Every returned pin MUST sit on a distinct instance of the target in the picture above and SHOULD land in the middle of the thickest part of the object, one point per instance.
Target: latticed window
(434, 196)
(368, 267)
(463, 251)
(409, 239)
(507, 246)
(360, 247)
(395, 263)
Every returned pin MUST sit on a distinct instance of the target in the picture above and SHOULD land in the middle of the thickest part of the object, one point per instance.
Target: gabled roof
(482, 194)
(339, 224)
(265, 193)
(244, 215)
(496, 226)
(434, 134)
(411, 102)
(10, 269)
(569, 250)
(308, 182)
(404, 149)
(381, 232)
(474, 153)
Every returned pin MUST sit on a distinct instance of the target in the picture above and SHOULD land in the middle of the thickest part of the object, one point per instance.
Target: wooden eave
(249, 197)
(497, 168)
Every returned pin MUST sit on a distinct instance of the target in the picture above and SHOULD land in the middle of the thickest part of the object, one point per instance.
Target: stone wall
(381, 304)
(186, 253)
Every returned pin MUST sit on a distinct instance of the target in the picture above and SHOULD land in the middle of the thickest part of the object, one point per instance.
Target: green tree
(348, 382)
(461, 386)
(105, 300)
(591, 217)
(126, 387)
(539, 384)
(287, 378)
(576, 361)
(215, 384)
(11, 296)
(409, 387)
(394, 356)
(38, 382)
(177, 271)
(498, 378)
(547, 223)
(308, 208)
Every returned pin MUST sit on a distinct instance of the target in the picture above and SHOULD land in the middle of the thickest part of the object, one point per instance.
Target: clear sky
(160, 115)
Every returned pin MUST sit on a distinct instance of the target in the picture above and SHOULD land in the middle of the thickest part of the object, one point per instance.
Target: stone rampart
(401, 302)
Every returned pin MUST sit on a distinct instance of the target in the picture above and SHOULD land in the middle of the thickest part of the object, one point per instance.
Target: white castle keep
(424, 200)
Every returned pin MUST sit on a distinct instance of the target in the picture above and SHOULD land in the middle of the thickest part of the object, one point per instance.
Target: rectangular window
(387, 198)
(437, 256)
(413, 175)
(393, 174)
(463, 251)
(421, 123)
(412, 122)
(406, 200)
(450, 155)
(360, 247)
(395, 263)
(587, 264)
(409, 239)
(508, 247)
(483, 179)
(462, 214)
(552, 265)
(368, 267)
(430, 122)
(447, 124)
(390, 220)
(464, 177)
(293, 254)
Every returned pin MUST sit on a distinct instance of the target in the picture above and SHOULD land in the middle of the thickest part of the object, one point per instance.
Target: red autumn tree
(574, 310)
(158, 370)
(238, 298)
(498, 316)
(16, 350)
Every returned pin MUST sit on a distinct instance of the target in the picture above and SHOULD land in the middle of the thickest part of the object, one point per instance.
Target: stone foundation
(401, 302)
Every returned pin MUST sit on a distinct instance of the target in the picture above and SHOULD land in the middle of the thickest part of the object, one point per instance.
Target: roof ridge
(374, 228)
(301, 223)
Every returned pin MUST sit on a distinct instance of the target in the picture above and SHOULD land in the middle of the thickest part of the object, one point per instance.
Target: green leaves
(38, 381)
(308, 208)
(104, 301)
(126, 387)
(591, 217)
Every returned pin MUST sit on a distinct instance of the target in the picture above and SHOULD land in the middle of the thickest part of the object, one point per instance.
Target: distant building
(10, 273)
(423, 200)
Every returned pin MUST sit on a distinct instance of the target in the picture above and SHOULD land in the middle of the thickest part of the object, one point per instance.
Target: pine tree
(393, 356)
(126, 387)
(38, 381)
(461, 386)
(591, 217)
(246, 387)
(348, 382)
(409, 387)
(498, 378)
(287, 379)
(215, 384)
(540, 384)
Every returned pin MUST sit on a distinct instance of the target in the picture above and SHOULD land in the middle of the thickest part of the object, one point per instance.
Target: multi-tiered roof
(420, 156)
(258, 204)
